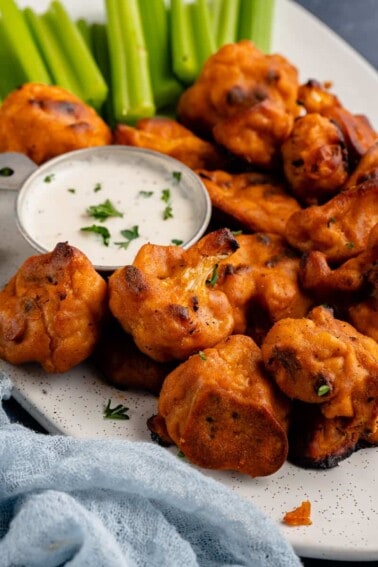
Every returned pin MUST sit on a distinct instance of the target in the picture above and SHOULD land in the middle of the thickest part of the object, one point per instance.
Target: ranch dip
(109, 201)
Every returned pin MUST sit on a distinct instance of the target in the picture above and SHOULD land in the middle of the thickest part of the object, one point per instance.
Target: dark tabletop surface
(356, 21)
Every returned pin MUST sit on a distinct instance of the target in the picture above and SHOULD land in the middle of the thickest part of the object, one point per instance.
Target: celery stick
(19, 37)
(165, 87)
(92, 84)
(117, 56)
(138, 76)
(184, 55)
(226, 21)
(100, 50)
(256, 22)
(11, 73)
(56, 62)
(202, 31)
(85, 31)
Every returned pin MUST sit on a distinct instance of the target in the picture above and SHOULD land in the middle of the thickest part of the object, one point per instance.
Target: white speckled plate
(344, 499)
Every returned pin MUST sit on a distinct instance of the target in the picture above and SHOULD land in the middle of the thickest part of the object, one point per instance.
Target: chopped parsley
(165, 195)
(181, 454)
(6, 171)
(214, 277)
(146, 194)
(202, 355)
(71, 190)
(97, 187)
(168, 213)
(323, 390)
(129, 235)
(49, 178)
(350, 245)
(103, 211)
(118, 412)
(176, 241)
(177, 176)
(101, 230)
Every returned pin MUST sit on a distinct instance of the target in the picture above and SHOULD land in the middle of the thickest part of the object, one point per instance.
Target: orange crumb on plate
(300, 516)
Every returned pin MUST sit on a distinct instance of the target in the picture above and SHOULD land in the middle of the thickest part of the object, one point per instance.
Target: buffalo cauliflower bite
(245, 100)
(315, 159)
(52, 309)
(223, 412)
(262, 277)
(166, 300)
(44, 121)
(171, 138)
(256, 200)
(325, 362)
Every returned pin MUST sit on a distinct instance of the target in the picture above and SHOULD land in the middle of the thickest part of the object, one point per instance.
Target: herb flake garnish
(6, 171)
(181, 454)
(177, 176)
(118, 412)
(71, 190)
(350, 245)
(323, 390)
(177, 241)
(202, 355)
(49, 178)
(101, 230)
(165, 195)
(103, 211)
(214, 277)
(146, 194)
(129, 234)
(167, 213)
(97, 187)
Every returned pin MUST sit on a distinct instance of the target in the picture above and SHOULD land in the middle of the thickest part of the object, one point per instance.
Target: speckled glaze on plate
(344, 499)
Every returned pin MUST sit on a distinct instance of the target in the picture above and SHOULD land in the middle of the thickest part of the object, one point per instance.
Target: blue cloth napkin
(108, 502)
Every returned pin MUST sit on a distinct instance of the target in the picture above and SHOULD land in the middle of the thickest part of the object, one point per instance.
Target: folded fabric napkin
(108, 502)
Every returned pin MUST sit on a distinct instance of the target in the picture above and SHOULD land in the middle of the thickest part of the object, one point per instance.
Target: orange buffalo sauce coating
(300, 516)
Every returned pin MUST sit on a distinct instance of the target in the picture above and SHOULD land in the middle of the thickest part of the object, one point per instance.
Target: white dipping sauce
(141, 185)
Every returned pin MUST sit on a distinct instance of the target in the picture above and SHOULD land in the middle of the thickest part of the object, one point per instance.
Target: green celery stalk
(86, 33)
(202, 31)
(165, 87)
(44, 36)
(11, 73)
(184, 55)
(100, 50)
(256, 22)
(117, 57)
(92, 84)
(226, 21)
(136, 57)
(19, 37)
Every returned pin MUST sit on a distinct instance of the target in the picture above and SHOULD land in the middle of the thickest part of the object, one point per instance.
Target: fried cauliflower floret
(233, 80)
(258, 201)
(256, 134)
(124, 366)
(323, 360)
(339, 228)
(367, 168)
(171, 138)
(44, 121)
(315, 160)
(223, 412)
(314, 96)
(262, 277)
(166, 299)
(52, 309)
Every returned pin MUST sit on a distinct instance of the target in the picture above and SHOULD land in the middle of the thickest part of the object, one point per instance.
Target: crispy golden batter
(52, 309)
(234, 79)
(261, 277)
(45, 121)
(223, 412)
(364, 316)
(367, 168)
(314, 96)
(258, 201)
(340, 228)
(300, 516)
(124, 366)
(169, 137)
(315, 159)
(255, 134)
(322, 360)
(166, 299)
